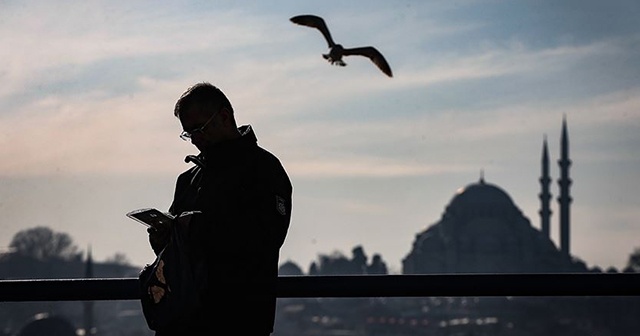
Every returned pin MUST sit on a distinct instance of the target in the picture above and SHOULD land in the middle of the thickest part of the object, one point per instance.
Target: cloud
(302, 106)
(58, 43)
(364, 166)
(90, 133)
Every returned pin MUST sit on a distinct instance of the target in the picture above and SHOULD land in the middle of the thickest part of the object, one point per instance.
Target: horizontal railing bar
(428, 285)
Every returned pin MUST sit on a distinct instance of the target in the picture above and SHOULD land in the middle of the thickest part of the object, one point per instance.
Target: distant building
(483, 231)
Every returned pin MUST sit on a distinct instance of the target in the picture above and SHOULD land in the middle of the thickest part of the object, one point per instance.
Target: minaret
(88, 305)
(564, 182)
(545, 195)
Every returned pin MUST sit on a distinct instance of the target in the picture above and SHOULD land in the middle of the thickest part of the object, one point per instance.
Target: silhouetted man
(243, 194)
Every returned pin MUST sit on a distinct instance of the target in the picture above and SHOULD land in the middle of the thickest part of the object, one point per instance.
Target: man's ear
(227, 117)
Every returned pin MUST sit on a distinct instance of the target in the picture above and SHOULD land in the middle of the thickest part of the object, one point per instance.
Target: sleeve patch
(281, 205)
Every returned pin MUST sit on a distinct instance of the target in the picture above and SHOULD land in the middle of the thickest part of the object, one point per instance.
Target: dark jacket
(244, 194)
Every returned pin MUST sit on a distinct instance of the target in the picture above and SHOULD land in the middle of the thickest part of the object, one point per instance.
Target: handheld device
(151, 217)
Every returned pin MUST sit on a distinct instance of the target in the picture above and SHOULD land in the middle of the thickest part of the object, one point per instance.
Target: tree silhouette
(42, 243)
(118, 259)
(338, 263)
(634, 260)
(377, 266)
(359, 260)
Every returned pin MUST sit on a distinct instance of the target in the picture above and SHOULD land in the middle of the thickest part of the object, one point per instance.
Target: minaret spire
(545, 194)
(89, 328)
(88, 273)
(564, 182)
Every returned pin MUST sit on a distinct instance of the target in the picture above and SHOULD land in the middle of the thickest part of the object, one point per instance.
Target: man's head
(206, 116)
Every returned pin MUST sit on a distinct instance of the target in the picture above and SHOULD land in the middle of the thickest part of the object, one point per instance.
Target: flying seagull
(337, 51)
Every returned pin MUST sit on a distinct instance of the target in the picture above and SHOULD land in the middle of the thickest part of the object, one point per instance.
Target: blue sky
(87, 129)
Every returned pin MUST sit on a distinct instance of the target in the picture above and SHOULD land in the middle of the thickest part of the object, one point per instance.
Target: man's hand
(185, 218)
(158, 238)
(159, 235)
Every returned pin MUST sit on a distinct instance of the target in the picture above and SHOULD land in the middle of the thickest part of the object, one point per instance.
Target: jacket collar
(225, 150)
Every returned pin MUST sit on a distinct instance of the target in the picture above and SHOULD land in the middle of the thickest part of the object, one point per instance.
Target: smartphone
(151, 217)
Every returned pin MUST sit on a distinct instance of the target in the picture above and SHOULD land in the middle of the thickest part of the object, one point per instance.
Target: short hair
(204, 95)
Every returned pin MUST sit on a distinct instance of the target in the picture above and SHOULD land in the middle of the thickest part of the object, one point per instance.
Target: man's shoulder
(257, 152)
(189, 172)
(269, 164)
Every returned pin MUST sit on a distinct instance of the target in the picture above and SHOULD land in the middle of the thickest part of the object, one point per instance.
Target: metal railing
(428, 285)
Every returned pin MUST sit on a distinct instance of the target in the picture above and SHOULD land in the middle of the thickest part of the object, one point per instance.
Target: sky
(87, 131)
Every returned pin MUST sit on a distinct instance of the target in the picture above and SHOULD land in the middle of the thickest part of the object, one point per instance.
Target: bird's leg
(338, 62)
(329, 58)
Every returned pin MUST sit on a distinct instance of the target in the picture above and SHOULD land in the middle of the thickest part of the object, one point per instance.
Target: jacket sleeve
(281, 193)
(265, 210)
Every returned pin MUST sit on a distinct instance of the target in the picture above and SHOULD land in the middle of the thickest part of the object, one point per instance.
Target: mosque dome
(480, 196)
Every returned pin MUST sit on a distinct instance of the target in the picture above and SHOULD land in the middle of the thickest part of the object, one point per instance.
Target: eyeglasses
(186, 135)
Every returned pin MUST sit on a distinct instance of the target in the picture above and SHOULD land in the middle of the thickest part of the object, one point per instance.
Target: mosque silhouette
(483, 231)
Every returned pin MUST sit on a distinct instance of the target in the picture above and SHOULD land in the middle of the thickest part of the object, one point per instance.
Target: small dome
(289, 268)
(480, 194)
(43, 324)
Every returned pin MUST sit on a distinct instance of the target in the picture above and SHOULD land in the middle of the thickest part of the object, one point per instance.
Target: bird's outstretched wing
(373, 54)
(314, 22)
